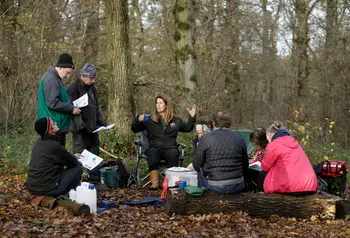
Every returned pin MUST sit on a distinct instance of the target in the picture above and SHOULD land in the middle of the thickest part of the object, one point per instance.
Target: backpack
(122, 172)
(333, 173)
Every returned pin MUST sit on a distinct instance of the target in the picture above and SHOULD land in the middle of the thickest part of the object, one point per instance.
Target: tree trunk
(185, 53)
(9, 83)
(232, 69)
(92, 33)
(136, 14)
(264, 111)
(330, 71)
(256, 204)
(300, 47)
(119, 85)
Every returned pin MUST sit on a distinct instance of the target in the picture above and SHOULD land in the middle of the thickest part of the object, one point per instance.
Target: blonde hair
(276, 126)
(169, 114)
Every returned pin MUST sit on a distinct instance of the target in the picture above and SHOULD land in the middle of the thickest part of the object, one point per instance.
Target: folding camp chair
(142, 146)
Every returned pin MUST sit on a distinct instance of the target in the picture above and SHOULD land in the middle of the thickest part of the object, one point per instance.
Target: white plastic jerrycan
(86, 193)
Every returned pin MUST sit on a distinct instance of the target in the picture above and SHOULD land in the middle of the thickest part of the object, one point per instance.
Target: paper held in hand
(83, 101)
(103, 128)
(256, 166)
(89, 160)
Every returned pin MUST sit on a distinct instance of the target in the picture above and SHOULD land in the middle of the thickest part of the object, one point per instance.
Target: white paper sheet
(103, 128)
(256, 166)
(83, 101)
(89, 160)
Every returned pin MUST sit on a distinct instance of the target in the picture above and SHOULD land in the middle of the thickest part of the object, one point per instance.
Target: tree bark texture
(330, 55)
(9, 67)
(185, 53)
(232, 69)
(91, 30)
(119, 85)
(300, 45)
(256, 204)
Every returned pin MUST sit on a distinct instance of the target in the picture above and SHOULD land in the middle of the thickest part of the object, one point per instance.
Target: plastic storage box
(175, 174)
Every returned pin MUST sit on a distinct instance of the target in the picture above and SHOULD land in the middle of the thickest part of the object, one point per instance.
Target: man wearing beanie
(53, 99)
(90, 117)
(46, 174)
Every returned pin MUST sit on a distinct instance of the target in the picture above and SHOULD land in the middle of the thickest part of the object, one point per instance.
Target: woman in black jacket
(162, 130)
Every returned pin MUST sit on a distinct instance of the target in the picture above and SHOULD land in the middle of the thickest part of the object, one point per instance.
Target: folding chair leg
(137, 172)
(146, 183)
(143, 179)
(162, 174)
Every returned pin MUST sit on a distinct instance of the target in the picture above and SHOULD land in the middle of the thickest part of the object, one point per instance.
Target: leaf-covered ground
(19, 219)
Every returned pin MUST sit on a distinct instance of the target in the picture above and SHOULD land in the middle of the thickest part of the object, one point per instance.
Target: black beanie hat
(65, 61)
(42, 126)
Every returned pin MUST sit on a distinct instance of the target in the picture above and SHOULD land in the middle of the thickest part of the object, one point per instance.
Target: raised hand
(192, 112)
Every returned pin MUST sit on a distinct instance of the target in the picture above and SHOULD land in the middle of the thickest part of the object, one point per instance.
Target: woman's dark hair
(258, 137)
(222, 119)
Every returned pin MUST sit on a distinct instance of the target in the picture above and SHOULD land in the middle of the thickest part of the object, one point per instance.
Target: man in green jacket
(53, 99)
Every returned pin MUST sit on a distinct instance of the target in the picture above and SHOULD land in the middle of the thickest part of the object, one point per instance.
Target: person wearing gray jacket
(221, 158)
(53, 99)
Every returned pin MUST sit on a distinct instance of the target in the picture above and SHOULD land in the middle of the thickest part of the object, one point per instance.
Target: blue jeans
(203, 182)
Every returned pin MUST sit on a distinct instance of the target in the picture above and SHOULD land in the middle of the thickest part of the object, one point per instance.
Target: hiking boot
(154, 176)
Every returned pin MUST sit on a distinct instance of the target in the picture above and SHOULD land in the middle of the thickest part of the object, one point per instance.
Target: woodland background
(263, 60)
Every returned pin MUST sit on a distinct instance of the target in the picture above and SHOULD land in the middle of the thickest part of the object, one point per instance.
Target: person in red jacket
(288, 168)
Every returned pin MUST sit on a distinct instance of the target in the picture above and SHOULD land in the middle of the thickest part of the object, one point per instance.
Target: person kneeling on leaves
(46, 174)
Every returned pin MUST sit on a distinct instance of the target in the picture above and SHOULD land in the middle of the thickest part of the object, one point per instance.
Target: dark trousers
(70, 179)
(255, 180)
(90, 142)
(154, 156)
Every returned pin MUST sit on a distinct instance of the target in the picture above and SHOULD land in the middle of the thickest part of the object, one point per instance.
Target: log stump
(257, 204)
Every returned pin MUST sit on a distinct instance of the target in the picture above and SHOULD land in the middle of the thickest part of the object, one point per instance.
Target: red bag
(333, 168)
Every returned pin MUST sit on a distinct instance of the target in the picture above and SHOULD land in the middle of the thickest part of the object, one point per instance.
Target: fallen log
(76, 208)
(257, 204)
